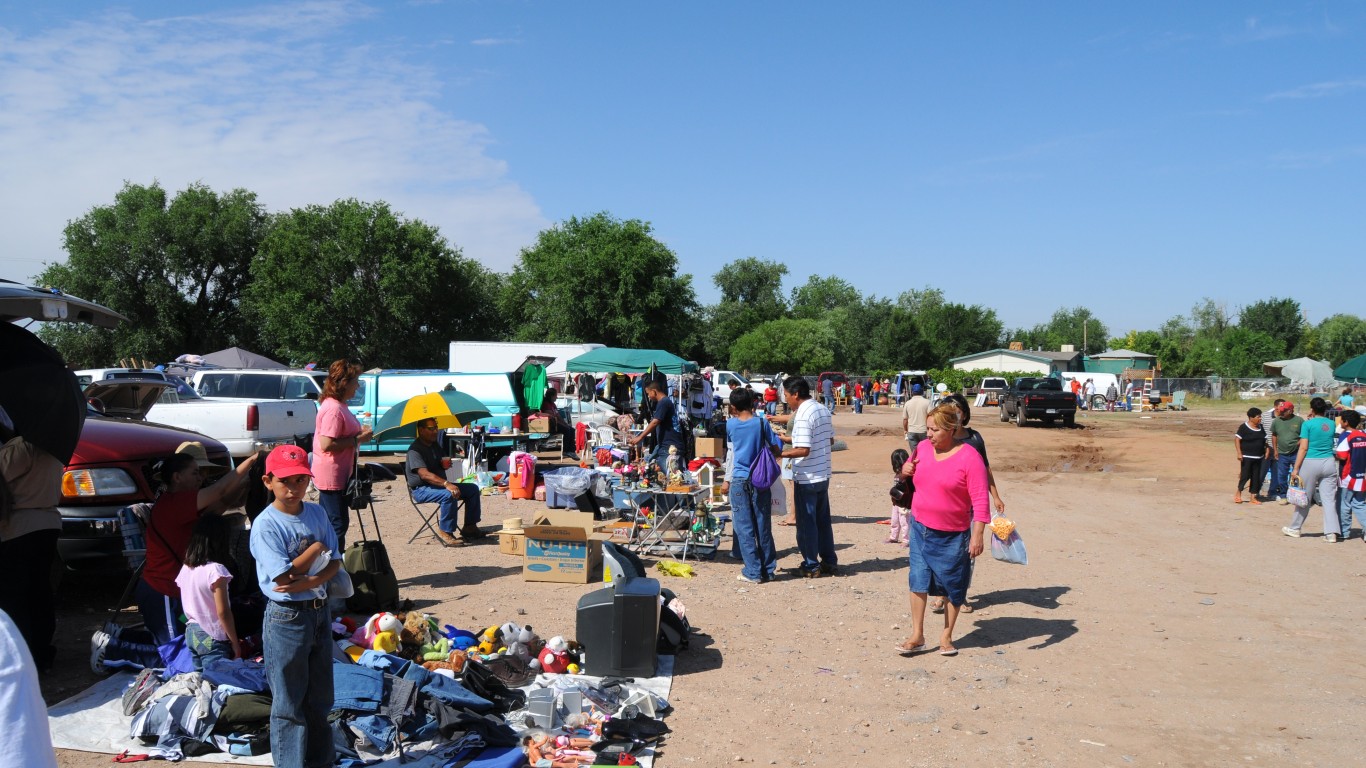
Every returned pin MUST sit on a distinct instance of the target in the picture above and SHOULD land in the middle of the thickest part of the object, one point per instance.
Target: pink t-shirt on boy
(196, 596)
(335, 420)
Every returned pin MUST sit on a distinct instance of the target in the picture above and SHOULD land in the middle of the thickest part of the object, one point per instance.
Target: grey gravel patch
(929, 715)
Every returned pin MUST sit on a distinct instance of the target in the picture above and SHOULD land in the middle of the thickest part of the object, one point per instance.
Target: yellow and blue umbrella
(450, 408)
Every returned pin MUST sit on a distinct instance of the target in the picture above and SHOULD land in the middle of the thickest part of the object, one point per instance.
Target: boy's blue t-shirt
(746, 439)
(277, 538)
(1319, 432)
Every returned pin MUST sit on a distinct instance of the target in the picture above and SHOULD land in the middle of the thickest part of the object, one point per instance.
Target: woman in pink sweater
(949, 513)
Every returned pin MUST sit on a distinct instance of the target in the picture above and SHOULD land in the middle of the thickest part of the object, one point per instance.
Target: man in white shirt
(812, 436)
(913, 416)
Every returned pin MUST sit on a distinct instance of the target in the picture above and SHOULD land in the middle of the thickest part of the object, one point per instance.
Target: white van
(1102, 382)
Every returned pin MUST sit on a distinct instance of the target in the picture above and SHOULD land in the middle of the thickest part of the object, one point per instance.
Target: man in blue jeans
(427, 483)
(811, 436)
(1285, 445)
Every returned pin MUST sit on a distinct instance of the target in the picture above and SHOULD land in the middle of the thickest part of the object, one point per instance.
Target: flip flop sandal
(948, 651)
(907, 650)
(789, 524)
(936, 607)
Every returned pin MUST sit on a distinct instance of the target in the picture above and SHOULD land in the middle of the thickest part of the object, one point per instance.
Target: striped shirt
(811, 428)
(1351, 451)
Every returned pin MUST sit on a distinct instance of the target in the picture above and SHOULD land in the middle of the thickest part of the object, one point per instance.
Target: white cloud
(272, 100)
(1319, 90)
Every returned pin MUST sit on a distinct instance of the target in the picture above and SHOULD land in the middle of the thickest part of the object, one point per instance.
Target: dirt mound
(878, 432)
(1087, 457)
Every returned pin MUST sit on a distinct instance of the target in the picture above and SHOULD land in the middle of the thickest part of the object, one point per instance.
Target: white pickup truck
(243, 426)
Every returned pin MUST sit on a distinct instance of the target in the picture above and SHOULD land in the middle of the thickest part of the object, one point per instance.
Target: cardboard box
(512, 543)
(538, 424)
(710, 446)
(563, 547)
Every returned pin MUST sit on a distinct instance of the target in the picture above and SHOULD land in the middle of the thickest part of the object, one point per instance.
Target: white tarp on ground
(1303, 372)
(93, 721)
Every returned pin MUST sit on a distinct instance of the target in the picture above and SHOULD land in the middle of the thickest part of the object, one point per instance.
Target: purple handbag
(764, 472)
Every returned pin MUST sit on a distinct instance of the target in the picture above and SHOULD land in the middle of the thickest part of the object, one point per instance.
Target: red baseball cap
(288, 461)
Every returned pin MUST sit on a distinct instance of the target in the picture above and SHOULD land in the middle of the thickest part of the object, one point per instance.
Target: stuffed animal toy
(489, 641)
(555, 655)
(344, 626)
(385, 642)
(460, 638)
(379, 623)
(436, 649)
(351, 650)
(415, 629)
(454, 661)
(525, 645)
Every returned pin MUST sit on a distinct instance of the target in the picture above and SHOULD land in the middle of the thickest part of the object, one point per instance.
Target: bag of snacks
(1006, 544)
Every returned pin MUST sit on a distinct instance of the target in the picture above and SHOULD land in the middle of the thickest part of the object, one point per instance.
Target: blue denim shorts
(939, 562)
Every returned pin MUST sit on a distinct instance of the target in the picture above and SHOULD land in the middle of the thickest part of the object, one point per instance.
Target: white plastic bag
(1009, 550)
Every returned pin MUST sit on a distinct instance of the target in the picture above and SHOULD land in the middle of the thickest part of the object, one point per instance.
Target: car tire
(1004, 415)
(1098, 402)
(1069, 419)
(1020, 416)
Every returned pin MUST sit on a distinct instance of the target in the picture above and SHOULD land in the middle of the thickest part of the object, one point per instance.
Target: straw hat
(201, 457)
(512, 525)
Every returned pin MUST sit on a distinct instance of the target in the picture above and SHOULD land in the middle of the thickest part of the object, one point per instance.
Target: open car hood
(21, 302)
(128, 398)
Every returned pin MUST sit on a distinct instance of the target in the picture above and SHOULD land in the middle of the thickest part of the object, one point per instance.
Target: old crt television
(618, 628)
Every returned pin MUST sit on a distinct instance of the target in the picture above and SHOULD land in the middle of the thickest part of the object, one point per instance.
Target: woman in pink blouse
(336, 439)
(949, 514)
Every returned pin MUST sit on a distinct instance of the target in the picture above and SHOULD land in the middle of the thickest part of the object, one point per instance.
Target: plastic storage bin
(563, 484)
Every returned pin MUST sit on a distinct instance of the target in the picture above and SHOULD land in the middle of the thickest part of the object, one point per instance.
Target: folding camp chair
(429, 524)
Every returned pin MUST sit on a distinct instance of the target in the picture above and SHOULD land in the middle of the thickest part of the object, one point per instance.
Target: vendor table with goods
(674, 521)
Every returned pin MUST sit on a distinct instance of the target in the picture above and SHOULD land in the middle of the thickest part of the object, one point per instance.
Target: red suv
(112, 466)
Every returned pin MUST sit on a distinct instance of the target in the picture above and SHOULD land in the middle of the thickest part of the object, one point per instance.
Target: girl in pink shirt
(210, 632)
(949, 514)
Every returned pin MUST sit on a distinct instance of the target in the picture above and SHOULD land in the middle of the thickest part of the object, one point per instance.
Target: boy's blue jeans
(1351, 503)
(753, 523)
(297, 640)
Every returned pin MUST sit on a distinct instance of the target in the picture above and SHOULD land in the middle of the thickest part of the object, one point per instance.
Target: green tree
(1277, 318)
(175, 269)
(795, 345)
(1342, 337)
(1210, 318)
(950, 329)
(355, 280)
(601, 279)
(820, 295)
(751, 294)
(1245, 350)
(1077, 326)
(896, 343)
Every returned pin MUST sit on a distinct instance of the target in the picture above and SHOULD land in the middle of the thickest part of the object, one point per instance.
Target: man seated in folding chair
(427, 483)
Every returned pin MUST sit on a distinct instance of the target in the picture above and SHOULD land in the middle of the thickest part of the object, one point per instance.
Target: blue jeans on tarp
(1280, 475)
(753, 523)
(448, 520)
(356, 688)
(445, 689)
(239, 673)
(815, 534)
(297, 640)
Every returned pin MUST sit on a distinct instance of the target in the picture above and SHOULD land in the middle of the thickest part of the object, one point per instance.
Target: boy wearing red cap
(287, 539)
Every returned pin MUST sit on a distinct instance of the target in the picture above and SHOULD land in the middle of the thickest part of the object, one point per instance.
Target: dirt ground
(1156, 624)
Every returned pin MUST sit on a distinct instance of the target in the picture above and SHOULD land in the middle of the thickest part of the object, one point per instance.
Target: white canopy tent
(1303, 371)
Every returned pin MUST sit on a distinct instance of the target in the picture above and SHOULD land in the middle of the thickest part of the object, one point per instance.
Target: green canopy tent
(617, 360)
(1353, 370)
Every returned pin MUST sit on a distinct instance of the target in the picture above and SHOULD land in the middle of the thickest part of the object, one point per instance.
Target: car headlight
(97, 482)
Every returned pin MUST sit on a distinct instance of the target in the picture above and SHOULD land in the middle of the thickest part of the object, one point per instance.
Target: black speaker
(618, 628)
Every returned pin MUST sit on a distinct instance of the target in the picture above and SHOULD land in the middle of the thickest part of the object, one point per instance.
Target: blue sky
(1020, 156)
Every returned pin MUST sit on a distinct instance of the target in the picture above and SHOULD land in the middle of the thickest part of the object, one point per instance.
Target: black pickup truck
(1031, 398)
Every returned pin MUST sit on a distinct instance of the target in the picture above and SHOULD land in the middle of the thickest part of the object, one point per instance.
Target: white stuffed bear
(364, 635)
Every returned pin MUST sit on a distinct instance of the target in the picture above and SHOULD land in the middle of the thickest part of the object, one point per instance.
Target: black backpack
(673, 629)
